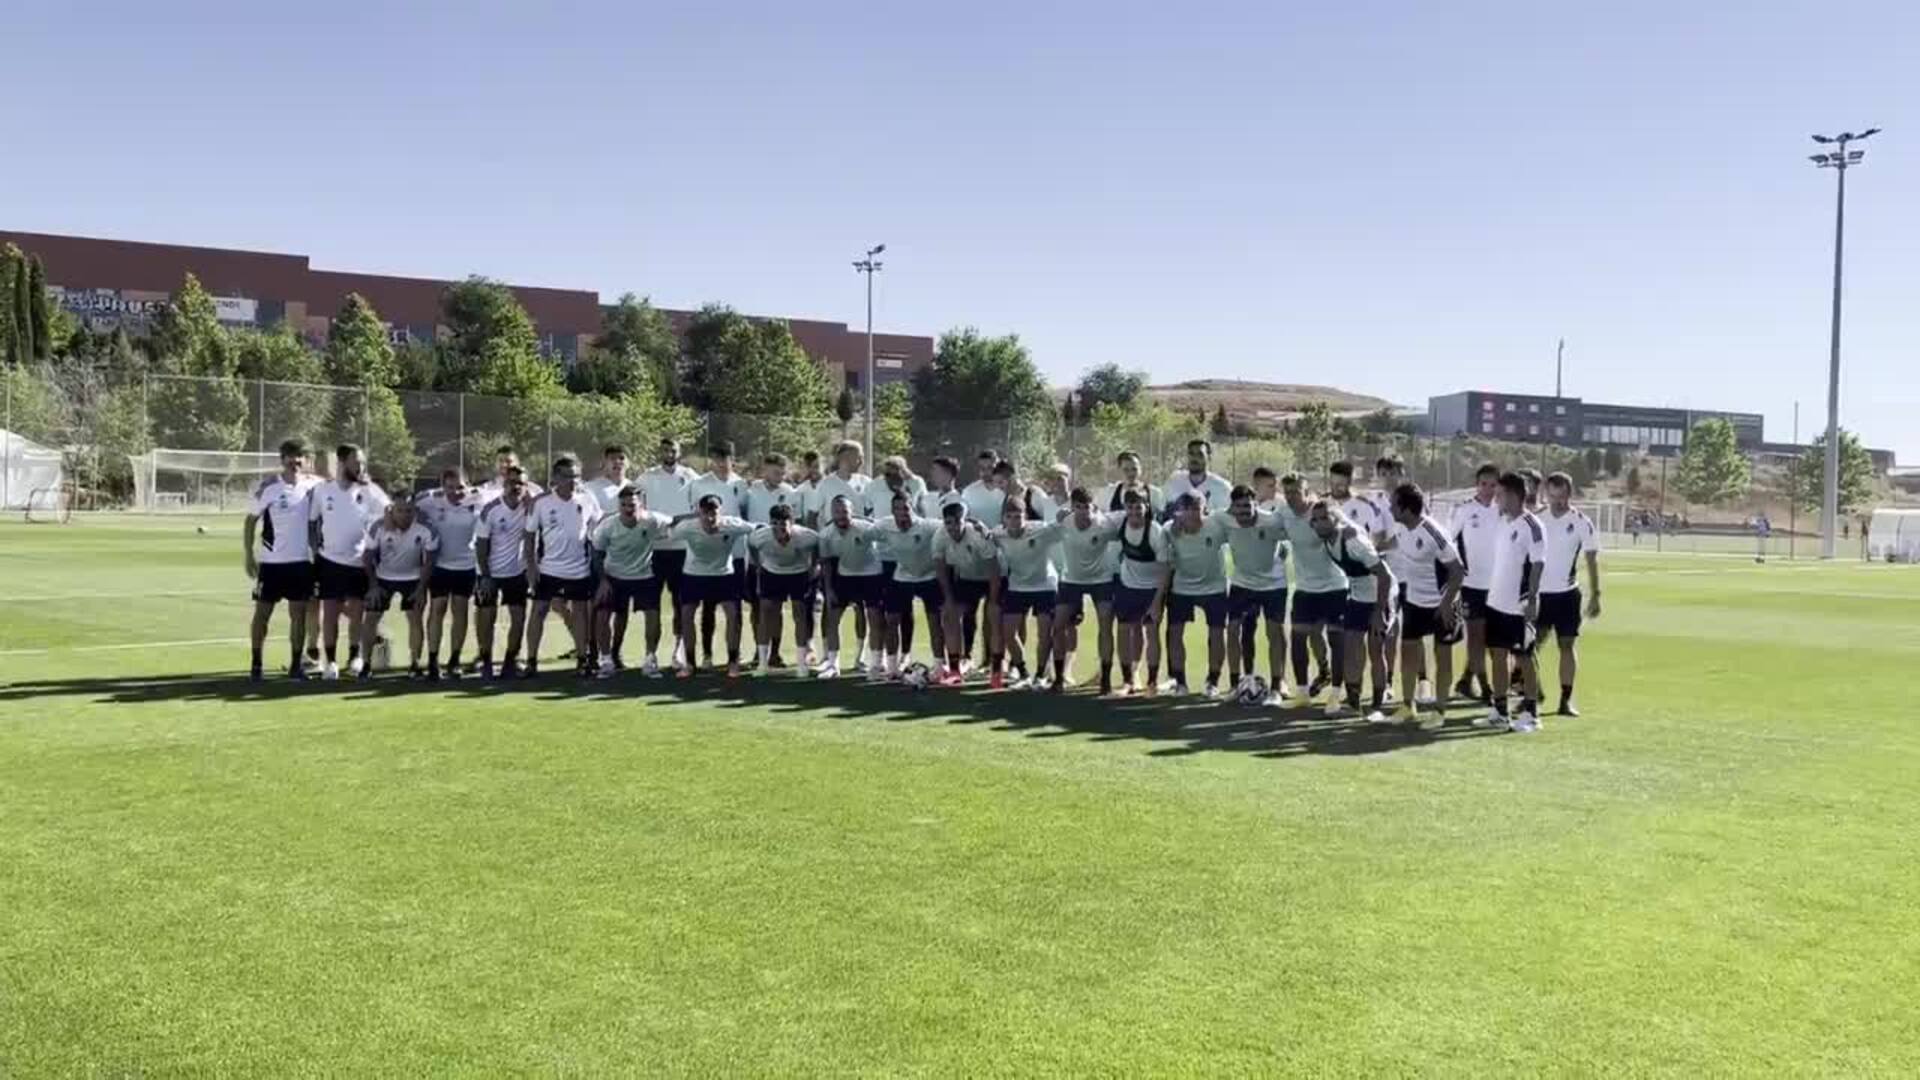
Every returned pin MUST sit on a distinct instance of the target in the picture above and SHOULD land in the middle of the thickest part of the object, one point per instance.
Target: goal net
(198, 481)
(27, 467)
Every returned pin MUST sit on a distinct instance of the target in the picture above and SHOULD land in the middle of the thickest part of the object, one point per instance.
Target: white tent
(27, 470)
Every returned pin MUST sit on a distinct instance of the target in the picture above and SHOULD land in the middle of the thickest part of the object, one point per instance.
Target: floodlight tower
(1839, 159)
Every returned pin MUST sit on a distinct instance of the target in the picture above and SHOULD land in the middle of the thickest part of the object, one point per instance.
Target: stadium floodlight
(1839, 161)
(869, 266)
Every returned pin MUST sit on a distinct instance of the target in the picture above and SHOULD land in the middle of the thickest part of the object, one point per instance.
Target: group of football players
(1359, 590)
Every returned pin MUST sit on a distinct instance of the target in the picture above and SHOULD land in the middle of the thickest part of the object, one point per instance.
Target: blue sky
(1396, 198)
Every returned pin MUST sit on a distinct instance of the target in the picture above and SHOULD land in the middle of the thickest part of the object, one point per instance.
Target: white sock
(893, 663)
(833, 656)
(766, 653)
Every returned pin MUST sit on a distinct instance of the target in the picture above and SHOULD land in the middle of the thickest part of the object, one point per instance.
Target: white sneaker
(355, 666)
(1379, 716)
(1275, 699)
(607, 670)
(1335, 707)
(966, 668)
(650, 668)
(1423, 693)
(828, 670)
(1168, 686)
(1494, 721)
(1390, 697)
(1037, 683)
(330, 672)
(1526, 723)
(1211, 691)
(860, 666)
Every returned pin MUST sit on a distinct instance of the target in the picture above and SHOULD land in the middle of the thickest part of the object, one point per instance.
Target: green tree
(9, 342)
(1109, 383)
(1614, 461)
(843, 409)
(491, 346)
(289, 401)
(35, 407)
(1712, 469)
(1220, 426)
(1152, 430)
(892, 419)
(39, 313)
(1596, 462)
(1314, 436)
(196, 401)
(1807, 475)
(416, 365)
(24, 346)
(982, 391)
(759, 369)
(393, 458)
(1383, 422)
(358, 352)
(1633, 480)
(634, 337)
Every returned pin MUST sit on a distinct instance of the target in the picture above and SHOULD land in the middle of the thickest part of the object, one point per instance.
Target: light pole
(1840, 159)
(870, 267)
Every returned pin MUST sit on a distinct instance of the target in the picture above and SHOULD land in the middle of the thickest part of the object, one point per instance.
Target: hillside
(1260, 404)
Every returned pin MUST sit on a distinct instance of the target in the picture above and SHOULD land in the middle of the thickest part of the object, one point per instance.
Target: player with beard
(1429, 592)
(281, 567)
(667, 488)
(453, 513)
(399, 559)
(499, 553)
(560, 564)
(340, 514)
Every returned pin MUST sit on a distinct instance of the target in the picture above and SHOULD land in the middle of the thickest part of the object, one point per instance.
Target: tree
(1109, 383)
(695, 371)
(1614, 461)
(1067, 415)
(1315, 437)
(1807, 475)
(759, 369)
(634, 336)
(1383, 422)
(39, 316)
(1220, 426)
(892, 419)
(843, 409)
(187, 337)
(200, 404)
(291, 403)
(25, 347)
(1712, 467)
(1633, 480)
(416, 364)
(9, 343)
(1596, 462)
(491, 346)
(982, 391)
(358, 352)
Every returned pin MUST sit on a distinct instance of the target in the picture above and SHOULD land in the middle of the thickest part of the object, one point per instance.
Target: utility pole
(870, 267)
(1559, 364)
(1839, 160)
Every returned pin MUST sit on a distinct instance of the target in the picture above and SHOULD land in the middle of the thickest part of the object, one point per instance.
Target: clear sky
(1397, 198)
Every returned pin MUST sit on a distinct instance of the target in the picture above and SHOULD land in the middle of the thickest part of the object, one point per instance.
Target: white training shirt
(1029, 557)
(453, 526)
(832, 485)
(1358, 558)
(855, 546)
(761, 500)
(710, 554)
(1520, 547)
(1422, 551)
(493, 489)
(1199, 558)
(1212, 488)
(984, 502)
(910, 550)
(1257, 561)
(1085, 556)
(733, 500)
(505, 529)
(345, 515)
(401, 553)
(973, 557)
(564, 528)
(933, 504)
(283, 512)
(1368, 516)
(669, 492)
(606, 493)
(1567, 537)
(1475, 527)
(793, 557)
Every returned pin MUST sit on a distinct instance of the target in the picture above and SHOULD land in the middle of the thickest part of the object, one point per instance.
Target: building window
(1533, 407)
(1511, 406)
(1559, 410)
(1533, 429)
(1510, 428)
(1559, 431)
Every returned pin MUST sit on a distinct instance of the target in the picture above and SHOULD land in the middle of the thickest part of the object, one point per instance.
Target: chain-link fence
(104, 429)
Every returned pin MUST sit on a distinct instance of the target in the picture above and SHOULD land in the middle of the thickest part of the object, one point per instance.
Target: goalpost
(198, 481)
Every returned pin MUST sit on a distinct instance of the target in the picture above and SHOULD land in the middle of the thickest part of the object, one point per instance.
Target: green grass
(1713, 872)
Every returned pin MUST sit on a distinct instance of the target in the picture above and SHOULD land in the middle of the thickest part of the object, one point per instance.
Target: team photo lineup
(1364, 594)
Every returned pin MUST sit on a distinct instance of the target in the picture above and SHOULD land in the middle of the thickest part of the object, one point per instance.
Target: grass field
(1713, 872)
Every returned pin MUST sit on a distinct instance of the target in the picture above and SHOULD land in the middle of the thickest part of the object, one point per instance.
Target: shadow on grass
(1169, 726)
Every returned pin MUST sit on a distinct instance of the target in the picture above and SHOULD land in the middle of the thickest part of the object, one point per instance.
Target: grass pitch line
(125, 647)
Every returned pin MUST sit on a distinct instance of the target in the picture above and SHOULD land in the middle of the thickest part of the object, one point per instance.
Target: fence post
(6, 446)
(1660, 534)
(550, 456)
(260, 414)
(460, 448)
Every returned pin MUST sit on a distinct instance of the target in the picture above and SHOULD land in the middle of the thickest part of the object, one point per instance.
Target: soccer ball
(201, 529)
(917, 676)
(1251, 691)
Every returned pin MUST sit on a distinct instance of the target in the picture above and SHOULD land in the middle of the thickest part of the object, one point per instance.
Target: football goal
(198, 481)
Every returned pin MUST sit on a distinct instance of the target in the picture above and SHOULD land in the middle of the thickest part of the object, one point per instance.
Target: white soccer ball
(1252, 691)
(201, 529)
(916, 677)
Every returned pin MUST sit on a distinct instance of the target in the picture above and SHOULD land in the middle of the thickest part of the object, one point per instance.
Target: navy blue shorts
(338, 581)
(444, 582)
(1512, 633)
(1560, 613)
(1476, 601)
(1319, 608)
(900, 595)
(783, 587)
(407, 592)
(493, 592)
(564, 588)
(968, 593)
(1358, 617)
(858, 590)
(633, 594)
(290, 581)
(708, 589)
(1029, 601)
(1131, 605)
(1180, 608)
(1247, 605)
(1074, 596)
